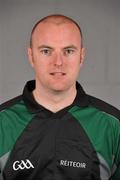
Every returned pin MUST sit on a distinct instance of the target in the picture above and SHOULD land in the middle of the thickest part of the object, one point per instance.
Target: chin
(60, 85)
(60, 88)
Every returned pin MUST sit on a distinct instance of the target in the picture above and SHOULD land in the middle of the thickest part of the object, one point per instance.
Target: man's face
(56, 55)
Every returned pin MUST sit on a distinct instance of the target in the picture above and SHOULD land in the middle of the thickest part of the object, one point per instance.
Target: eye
(46, 51)
(68, 52)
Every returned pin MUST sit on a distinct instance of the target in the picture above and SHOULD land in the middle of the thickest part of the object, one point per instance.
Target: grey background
(100, 22)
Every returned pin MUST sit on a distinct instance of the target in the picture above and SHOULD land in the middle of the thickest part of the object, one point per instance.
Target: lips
(58, 73)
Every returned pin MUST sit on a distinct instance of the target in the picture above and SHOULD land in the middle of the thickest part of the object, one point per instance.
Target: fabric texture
(79, 142)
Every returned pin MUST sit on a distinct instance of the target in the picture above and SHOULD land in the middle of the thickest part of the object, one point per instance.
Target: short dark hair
(55, 16)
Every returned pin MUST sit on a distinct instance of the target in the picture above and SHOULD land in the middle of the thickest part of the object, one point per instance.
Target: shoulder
(10, 103)
(9, 109)
(104, 106)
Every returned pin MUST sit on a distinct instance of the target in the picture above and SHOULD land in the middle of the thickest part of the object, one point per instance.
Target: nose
(58, 61)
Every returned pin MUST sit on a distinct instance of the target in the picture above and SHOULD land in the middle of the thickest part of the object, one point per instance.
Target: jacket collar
(81, 99)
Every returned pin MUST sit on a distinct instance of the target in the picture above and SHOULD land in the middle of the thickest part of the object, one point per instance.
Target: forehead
(56, 31)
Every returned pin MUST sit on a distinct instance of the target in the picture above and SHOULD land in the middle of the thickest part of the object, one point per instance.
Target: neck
(55, 100)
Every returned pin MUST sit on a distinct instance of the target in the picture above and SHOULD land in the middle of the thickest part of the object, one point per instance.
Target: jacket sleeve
(116, 174)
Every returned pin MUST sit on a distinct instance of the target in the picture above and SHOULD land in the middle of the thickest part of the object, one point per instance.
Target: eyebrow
(45, 46)
(70, 46)
(66, 47)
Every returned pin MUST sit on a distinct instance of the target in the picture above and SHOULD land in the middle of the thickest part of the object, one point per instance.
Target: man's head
(57, 19)
(56, 52)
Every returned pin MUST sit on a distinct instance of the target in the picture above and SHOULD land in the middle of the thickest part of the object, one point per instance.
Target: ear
(30, 56)
(82, 55)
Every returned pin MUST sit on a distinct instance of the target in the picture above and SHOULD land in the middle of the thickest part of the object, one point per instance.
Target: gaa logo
(23, 164)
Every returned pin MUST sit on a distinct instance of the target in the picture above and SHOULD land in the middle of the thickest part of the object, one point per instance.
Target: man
(54, 130)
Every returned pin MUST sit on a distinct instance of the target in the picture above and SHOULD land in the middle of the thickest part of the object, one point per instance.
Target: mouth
(58, 74)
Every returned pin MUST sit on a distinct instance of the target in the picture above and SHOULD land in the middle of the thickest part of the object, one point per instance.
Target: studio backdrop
(100, 23)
